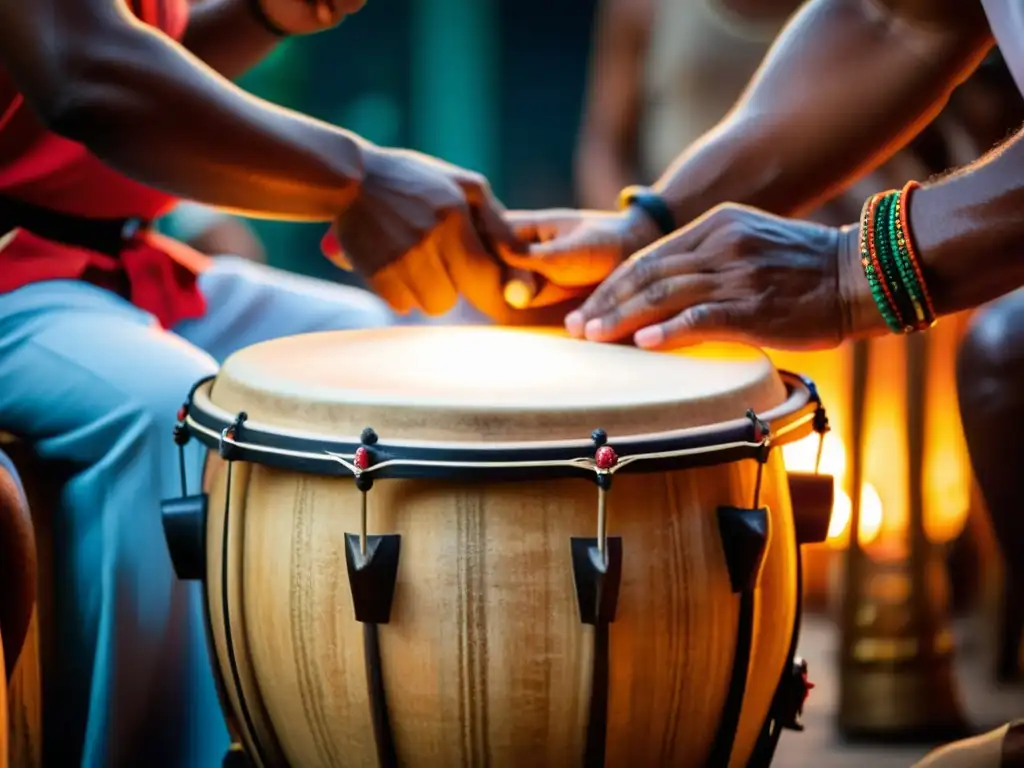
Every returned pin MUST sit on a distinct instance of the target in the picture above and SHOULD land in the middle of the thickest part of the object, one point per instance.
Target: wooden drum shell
(485, 660)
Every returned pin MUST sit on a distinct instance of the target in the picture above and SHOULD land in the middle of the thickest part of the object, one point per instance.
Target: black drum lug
(372, 575)
(744, 535)
(184, 521)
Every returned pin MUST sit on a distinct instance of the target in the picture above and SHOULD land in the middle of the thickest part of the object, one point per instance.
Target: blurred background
(919, 640)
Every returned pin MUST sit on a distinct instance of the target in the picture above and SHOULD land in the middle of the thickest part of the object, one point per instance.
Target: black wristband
(652, 204)
(258, 13)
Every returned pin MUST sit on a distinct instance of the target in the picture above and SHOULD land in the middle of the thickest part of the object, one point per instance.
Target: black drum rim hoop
(745, 437)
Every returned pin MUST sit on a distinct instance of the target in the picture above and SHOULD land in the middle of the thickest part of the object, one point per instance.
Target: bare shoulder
(43, 44)
(62, 12)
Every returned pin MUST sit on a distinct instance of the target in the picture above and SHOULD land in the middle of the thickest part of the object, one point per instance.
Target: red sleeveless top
(39, 167)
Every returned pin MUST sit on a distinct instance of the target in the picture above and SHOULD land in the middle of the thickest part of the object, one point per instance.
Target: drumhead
(480, 385)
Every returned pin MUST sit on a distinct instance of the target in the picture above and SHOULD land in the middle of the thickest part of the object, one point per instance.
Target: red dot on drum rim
(808, 687)
(182, 413)
(361, 460)
(605, 457)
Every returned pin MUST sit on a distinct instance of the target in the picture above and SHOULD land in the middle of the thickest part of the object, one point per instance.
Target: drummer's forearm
(969, 231)
(968, 235)
(146, 107)
(845, 86)
(227, 36)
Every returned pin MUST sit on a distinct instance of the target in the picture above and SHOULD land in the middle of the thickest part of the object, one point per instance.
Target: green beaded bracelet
(869, 260)
(887, 260)
(890, 265)
(906, 268)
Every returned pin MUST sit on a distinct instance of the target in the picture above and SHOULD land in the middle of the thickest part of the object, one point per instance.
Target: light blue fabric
(94, 385)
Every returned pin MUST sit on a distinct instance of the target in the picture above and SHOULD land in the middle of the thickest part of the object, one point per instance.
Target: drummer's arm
(968, 233)
(847, 84)
(150, 109)
(227, 36)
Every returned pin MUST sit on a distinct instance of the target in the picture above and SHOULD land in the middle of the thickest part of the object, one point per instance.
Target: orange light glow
(947, 469)
(871, 516)
(946, 477)
(800, 456)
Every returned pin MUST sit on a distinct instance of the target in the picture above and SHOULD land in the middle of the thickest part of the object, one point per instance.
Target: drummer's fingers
(426, 277)
(655, 301)
(551, 293)
(480, 278)
(476, 188)
(563, 248)
(487, 214)
(390, 286)
(475, 273)
(521, 287)
(541, 226)
(712, 321)
(626, 281)
(578, 267)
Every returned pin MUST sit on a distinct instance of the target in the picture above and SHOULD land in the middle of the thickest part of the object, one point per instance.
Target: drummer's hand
(304, 17)
(422, 232)
(573, 248)
(734, 274)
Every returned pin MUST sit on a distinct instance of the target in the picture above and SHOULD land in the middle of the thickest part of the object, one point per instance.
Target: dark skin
(96, 76)
(151, 109)
(871, 74)
(739, 273)
(808, 126)
(848, 84)
(225, 35)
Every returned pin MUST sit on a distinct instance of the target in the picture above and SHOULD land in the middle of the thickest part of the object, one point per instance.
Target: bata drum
(435, 547)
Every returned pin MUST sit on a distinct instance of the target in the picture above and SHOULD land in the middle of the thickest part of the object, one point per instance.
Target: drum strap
(597, 573)
(729, 723)
(789, 694)
(184, 522)
(387, 754)
(790, 691)
(744, 535)
(372, 563)
(225, 576)
(372, 573)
